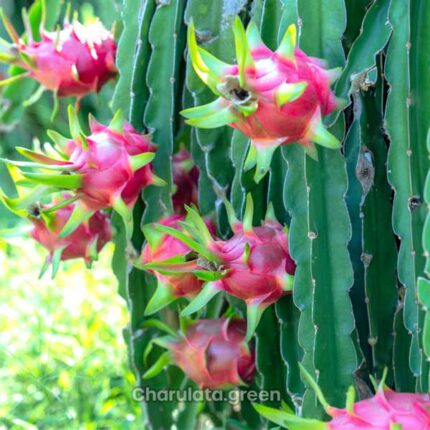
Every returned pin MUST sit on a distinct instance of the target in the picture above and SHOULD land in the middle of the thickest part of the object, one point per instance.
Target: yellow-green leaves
(288, 43)
(289, 92)
(207, 67)
(243, 52)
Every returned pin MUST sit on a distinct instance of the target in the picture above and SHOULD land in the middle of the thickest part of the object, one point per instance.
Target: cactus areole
(212, 353)
(275, 98)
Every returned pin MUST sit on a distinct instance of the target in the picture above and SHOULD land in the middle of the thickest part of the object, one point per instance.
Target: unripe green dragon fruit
(275, 98)
(212, 353)
(254, 265)
(107, 169)
(386, 410)
(74, 61)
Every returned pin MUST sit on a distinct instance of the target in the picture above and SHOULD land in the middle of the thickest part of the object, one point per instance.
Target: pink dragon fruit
(275, 98)
(386, 410)
(254, 265)
(259, 259)
(107, 169)
(185, 178)
(74, 61)
(135, 145)
(159, 248)
(48, 221)
(85, 242)
(212, 353)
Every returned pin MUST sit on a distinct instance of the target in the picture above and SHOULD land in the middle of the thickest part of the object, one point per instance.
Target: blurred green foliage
(63, 361)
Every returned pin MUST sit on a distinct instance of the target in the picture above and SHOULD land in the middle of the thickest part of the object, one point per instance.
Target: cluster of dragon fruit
(68, 190)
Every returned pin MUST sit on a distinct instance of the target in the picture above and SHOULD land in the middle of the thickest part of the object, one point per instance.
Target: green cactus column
(343, 307)
(325, 229)
(212, 20)
(407, 121)
(147, 76)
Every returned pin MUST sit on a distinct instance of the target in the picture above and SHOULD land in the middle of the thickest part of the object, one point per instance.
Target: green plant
(386, 410)
(22, 123)
(356, 278)
(356, 214)
(62, 356)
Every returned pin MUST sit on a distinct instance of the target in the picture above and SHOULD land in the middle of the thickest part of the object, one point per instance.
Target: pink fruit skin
(76, 245)
(387, 407)
(185, 177)
(292, 121)
(89, 51)
(213, 353)
(184, 284)
(261, 279)
(106, 168)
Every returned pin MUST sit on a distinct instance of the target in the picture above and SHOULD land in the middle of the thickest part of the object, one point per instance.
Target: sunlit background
(63, 360)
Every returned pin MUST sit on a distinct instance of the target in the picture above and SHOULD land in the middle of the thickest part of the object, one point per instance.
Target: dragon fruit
(212, 353)
(159, 248)
(74, 61)
(107, 169)
(386, 410)
(185, 178)
(85, 242)
(48, 219)
(275, 98)
(254, 265)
